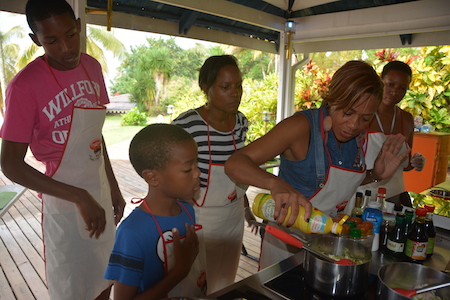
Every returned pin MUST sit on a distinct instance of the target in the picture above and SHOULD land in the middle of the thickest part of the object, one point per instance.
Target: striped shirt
(222, 143)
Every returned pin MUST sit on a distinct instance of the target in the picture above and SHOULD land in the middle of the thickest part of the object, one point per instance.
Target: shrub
(134, 118)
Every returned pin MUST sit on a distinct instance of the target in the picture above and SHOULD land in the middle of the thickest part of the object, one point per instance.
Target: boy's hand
(185, 253)
(93, 215)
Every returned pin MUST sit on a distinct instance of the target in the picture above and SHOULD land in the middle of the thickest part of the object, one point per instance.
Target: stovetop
(291, 285)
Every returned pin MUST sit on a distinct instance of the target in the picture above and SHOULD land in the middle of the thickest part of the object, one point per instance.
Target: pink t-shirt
(39, 108)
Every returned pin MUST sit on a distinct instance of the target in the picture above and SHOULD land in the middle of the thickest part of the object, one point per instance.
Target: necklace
(392, 124)
(210, 155)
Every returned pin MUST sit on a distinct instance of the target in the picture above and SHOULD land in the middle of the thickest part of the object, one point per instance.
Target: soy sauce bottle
(417, 239)
(431, 232)
(396, 238)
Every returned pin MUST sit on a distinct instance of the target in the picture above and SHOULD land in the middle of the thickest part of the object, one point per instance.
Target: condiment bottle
(409, 216)
(264, 207)
(366, 200)
(374, 215)
(357, 211)
(431, 232)
(386, 226)
(417, 239)
(355, 234)
(396, 238)
(381, 198)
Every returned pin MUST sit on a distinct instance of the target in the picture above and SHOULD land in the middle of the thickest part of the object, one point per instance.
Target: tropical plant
(99, 39)
(8, 55)
(134, 118)
(429, 94)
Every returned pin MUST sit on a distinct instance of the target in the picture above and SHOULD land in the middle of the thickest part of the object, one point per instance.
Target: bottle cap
(429, 207)
(381, 190)
(399, 219)
(359, 194)
(355, 232)
(368, 193)
(398, 207)
(421, 212)
(351, 223)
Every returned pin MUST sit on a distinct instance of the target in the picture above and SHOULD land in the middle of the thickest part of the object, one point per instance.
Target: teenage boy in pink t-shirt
(55, 106)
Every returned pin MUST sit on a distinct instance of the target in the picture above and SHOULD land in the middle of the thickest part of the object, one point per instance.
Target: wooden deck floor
(22, 273)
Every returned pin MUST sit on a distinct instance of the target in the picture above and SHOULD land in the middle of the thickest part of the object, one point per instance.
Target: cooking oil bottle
(319, 222)
(417, 239)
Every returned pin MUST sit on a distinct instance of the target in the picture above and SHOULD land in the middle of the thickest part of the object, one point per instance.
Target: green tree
(99, 40)
(9, 53)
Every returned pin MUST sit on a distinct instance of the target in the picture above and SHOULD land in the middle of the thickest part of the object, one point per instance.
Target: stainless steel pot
(337, 280)
(408, 276)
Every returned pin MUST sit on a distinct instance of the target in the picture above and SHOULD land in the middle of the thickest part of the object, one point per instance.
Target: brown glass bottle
(417, 239)
(431, 232)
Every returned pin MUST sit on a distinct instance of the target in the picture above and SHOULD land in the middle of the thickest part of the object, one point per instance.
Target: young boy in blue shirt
(148, 260)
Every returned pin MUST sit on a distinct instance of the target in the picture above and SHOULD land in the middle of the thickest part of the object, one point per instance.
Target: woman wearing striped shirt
(219, 130)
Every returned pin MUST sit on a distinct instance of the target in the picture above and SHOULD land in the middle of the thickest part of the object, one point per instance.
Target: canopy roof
(321, 25)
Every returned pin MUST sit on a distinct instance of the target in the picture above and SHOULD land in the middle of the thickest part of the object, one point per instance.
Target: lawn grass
(114, 133)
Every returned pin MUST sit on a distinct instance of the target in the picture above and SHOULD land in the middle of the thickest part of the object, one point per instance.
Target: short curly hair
(151, 147)
(39, 10)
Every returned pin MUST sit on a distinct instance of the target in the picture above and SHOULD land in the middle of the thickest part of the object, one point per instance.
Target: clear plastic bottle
(357, 211)
(319, 222)
(396, 238)
(430, 230)
(381, 198)
(417, 239)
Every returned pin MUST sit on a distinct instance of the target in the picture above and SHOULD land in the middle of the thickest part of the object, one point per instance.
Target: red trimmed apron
(195, 283)
(338, 186)
(75, 263)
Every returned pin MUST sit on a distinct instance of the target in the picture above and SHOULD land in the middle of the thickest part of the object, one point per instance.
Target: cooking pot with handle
(409, 276)
(333, 279)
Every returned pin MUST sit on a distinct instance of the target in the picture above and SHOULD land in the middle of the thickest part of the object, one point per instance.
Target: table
(18, 189)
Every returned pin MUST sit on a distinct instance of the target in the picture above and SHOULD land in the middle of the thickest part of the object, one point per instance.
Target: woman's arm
(290, 138)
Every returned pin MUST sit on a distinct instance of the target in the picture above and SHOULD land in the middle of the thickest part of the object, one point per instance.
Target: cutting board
(5, 197)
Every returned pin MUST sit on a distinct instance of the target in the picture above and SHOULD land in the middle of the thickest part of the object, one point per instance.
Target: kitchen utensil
(333, 279)
(410, 293)
(409, 276)
(297, 242)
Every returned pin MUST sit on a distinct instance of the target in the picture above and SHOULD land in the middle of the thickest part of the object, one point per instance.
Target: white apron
(194, 284)
(75, 263)
(394, 185)
(339, 184)
(221, 213)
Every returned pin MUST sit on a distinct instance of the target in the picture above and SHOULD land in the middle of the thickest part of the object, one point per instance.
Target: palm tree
(161, 64)
(8, 55)
(98, 35)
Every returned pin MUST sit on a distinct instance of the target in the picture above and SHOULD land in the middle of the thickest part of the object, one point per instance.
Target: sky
(128, 37)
